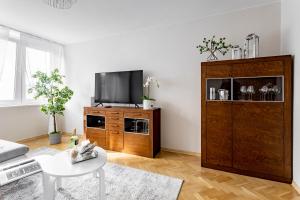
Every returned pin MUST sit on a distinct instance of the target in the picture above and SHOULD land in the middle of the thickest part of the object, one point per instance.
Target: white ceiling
(92, 19)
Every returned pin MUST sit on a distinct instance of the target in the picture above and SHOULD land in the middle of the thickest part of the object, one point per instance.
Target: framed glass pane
(258, 89)
(218, 89)
(7, 71)
(36, 60)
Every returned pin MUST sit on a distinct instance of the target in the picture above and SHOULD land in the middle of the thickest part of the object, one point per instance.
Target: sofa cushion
(9, 150)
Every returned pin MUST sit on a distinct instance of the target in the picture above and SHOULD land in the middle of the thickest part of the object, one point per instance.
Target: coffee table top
(60, 164)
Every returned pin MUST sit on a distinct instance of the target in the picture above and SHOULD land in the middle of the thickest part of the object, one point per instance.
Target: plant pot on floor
(148, 104)
(55, 138)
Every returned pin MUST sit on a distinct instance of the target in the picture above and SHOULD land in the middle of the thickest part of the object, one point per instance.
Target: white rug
(122, 183)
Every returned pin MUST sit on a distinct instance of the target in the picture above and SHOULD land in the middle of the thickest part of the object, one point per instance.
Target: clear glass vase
(212, 56)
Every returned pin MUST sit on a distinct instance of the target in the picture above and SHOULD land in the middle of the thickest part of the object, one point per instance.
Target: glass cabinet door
(218, 89)
(258, 88)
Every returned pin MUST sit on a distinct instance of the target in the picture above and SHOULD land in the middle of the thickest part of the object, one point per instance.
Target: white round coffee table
(59, 166)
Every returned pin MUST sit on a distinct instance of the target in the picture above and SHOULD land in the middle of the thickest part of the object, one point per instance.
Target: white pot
(148, 104)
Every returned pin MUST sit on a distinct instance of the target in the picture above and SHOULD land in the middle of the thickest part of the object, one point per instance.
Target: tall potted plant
(147, 100)
(51, 88)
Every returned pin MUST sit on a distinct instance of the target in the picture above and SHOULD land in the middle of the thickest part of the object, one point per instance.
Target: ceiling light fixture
(60, 4)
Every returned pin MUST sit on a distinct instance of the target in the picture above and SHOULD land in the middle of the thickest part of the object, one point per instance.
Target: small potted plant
(213, 46)
(51, 89)
(148, 102)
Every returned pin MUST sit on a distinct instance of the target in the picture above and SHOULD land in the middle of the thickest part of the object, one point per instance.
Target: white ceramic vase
(148, 104)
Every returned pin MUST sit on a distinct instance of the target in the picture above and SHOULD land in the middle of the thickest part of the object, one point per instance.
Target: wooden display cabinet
(250, 130)
(124, 129)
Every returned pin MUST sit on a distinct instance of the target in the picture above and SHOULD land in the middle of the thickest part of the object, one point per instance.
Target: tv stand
(124, 129)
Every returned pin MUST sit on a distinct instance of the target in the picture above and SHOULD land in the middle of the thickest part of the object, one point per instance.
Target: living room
(172, 96)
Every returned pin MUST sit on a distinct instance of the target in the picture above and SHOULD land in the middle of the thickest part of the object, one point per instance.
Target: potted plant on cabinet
(51, 89)
(148, 102)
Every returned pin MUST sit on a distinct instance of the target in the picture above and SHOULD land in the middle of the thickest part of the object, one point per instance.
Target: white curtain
(4, 35)
(41, 55)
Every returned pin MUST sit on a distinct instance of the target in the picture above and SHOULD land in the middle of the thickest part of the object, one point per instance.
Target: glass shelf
(258, 89)
(95, 121)
(249, 89)
(218, 89)
(140, 126)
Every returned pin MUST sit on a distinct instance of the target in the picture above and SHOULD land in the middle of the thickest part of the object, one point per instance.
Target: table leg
(102, 195)
(95, 174)
(58, 183)
(48, 187)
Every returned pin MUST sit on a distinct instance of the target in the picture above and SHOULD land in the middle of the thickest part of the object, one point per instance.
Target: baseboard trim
(32, 138)
(296, 187)
(40, 137)
(182, 152)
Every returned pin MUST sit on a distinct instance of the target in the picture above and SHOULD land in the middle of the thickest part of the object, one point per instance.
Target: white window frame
(20, 72)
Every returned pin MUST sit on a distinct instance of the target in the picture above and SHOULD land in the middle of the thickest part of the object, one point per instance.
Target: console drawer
(94, 111)
(137, 115)
(115, 132)
(114, 119)
(115, 127)
(114, 114)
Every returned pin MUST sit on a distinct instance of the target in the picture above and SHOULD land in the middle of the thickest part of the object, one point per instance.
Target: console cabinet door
(219, 133)
(258, 142)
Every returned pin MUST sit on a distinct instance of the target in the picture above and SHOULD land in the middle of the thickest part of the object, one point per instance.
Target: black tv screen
(119, 87)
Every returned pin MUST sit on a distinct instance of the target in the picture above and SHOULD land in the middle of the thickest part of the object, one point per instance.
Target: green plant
(51, 88)
(148, 84)
(212, 45)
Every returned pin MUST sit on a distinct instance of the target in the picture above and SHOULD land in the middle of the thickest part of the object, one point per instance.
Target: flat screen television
(119, 87)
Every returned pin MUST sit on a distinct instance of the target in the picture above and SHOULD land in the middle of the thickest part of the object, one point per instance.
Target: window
(8, 71)
(22, 55)
(36, 60)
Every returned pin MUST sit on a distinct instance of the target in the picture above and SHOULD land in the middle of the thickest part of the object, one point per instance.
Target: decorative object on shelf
(84, 152)
(148, 102)
(251, 46)
(263, 93)
(243, 90)
(213, 46)
(51, 88)
(223, 94)
(212, 93)
(269, 92)
(74, 140)
(250, 92)
(60, 4)
(236, 52)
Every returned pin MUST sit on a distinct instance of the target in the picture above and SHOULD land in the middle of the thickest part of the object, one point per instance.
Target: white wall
(21, 122)
(169, 54)
(291, 45)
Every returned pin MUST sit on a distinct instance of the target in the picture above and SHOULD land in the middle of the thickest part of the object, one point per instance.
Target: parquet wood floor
(199, 183)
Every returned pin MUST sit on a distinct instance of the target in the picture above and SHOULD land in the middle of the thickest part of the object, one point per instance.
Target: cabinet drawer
(94, 111)
(137, 115)
(114, 114)
(115, 127)
(114, 119)
(115, 132)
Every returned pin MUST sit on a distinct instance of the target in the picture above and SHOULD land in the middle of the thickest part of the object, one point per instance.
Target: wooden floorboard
(199, 183)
